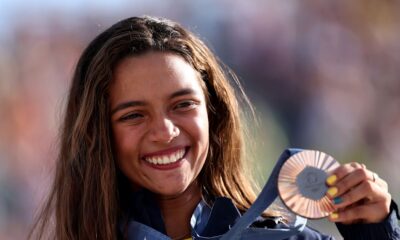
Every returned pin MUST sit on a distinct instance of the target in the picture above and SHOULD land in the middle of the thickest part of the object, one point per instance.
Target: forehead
(152, 73)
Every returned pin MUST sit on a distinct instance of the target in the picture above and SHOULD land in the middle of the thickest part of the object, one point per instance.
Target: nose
(163, 129)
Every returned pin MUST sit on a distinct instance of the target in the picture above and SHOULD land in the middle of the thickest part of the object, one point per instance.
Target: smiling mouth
(165, 159)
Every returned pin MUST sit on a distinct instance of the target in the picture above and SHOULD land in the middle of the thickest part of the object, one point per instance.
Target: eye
(185, 105)
(131, 117)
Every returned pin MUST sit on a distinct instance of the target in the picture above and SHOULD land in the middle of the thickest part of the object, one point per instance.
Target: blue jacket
(145, 222)
(224, 221)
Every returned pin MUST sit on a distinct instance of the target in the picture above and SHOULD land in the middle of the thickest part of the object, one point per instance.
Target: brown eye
(131, 116)
(185, 105)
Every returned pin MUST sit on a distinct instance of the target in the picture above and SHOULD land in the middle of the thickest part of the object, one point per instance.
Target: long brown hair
(85, 199)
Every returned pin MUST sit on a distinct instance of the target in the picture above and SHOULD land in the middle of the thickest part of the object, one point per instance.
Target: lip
(168, 166)
(164, 152)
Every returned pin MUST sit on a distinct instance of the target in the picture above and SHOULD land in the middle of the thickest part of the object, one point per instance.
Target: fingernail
(332, 191)
(337, 200)
(334, 215)
(331, 179)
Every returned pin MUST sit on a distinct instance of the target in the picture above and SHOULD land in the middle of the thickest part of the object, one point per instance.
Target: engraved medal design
(301, 183)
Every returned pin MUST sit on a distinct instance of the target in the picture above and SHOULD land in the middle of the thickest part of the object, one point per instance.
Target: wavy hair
(86, 195)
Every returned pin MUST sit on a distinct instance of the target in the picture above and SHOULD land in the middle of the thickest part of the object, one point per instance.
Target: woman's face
(159, 122)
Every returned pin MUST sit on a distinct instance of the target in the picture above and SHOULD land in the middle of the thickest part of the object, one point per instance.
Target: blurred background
(321, 76)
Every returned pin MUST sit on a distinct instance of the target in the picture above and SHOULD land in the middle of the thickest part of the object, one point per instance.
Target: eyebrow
(182, 92)
(185, 91)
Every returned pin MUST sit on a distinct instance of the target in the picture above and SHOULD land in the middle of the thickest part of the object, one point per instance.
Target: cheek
(125, 142)
(200, 131)
(200, 127)
(125, 145)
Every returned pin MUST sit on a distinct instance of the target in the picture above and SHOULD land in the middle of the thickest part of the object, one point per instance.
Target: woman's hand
(358, 194)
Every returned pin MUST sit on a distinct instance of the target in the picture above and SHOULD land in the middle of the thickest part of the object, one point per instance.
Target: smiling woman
(149, 108)
(151, 148)
(160, 133)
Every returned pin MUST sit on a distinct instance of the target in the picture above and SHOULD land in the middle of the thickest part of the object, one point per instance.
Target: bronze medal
(301, 183)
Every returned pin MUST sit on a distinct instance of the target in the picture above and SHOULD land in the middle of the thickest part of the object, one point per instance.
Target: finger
(365, 190)
(382, 183)
(368, 213)
(345, 169)
(351, 180)
(340, 172)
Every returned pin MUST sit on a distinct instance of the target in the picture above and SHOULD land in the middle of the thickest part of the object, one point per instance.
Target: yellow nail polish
(331, 179)
(332, 191)
(334, 215)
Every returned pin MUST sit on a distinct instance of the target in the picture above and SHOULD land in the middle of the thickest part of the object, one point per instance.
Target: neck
(177, 211)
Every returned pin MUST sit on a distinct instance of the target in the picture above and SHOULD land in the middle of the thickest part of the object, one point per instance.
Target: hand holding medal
(314, 185)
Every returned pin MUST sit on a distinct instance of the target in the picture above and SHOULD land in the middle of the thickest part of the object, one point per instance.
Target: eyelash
(132, 116)
(186, 105)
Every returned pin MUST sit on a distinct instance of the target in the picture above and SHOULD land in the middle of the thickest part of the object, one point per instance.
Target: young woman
(152, 134)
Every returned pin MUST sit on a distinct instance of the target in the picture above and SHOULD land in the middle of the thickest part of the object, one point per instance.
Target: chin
(172, 192)
(173, 189)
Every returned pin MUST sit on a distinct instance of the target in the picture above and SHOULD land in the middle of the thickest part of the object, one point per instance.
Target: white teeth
(166, 159)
